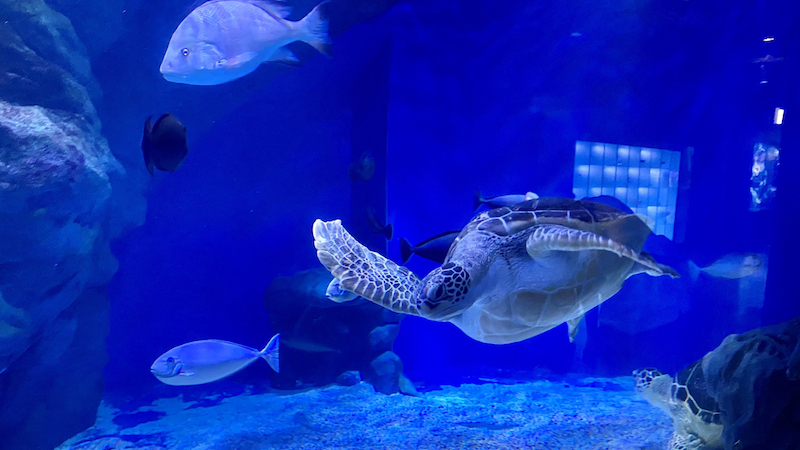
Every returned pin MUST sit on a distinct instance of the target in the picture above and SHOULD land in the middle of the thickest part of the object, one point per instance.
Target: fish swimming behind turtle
(511, 274)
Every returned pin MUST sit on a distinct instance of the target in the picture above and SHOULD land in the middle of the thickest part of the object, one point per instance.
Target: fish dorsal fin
(276, 8)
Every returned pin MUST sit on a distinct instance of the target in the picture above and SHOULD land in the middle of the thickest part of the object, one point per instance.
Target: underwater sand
(588, 413)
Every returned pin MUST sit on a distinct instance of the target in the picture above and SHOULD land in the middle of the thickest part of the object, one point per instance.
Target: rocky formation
(324, 342)
(751, 375)
(56, 177)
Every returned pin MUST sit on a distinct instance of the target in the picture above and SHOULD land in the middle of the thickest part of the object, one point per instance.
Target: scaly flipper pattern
(365, 272)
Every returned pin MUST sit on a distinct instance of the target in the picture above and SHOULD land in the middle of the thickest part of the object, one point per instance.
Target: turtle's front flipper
(364, 272)
(546, 238)
(685, 441)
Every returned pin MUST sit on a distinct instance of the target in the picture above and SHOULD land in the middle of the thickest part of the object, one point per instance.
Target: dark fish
(501, 200)
(434, 249)
(363, 169)
(164, 144)
(377, 226)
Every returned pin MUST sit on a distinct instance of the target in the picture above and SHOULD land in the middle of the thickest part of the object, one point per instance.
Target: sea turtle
(695, 414)
(512, 273)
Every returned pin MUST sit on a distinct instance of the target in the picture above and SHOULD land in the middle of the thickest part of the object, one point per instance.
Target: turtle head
(653, 385)
(443, 292)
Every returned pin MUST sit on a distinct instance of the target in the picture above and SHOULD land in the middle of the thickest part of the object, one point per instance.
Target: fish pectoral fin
(186, 374)
(237, 61)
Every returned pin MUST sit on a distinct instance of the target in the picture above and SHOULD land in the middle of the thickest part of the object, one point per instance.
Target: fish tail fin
(315, 25)
(406, 250)
(477, 200)
(271, 353)
(694, 270)
(388, 231)
(148, 160)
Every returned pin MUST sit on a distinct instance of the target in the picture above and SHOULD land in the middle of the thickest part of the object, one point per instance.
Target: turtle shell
(691, 388)
(506, 221)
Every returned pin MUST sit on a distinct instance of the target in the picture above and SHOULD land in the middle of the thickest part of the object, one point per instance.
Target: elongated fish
(434, 248)
(732, 266)
(222, 40)
(501, 200)
(201, 362)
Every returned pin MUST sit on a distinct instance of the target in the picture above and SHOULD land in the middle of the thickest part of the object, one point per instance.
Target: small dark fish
(164, 144)
(363, 169)
(377, 226)
(434, 249)
(501, 200)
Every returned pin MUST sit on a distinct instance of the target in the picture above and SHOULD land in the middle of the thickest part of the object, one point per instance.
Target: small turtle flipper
(685, 441)
(546, 238)
(573, 326)
(364, 272)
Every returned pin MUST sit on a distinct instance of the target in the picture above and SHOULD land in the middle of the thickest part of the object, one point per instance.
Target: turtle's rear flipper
(663, 269)
(547, 238)
(364, 272)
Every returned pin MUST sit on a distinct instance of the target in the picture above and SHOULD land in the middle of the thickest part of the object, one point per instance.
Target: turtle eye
(185, 52)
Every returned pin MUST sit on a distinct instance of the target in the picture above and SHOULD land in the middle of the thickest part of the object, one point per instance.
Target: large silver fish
(732, 266)
(201, 362)
(222, 40)
(501, 200)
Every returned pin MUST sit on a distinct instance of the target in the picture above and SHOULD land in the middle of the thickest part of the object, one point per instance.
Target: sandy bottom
(587, 413)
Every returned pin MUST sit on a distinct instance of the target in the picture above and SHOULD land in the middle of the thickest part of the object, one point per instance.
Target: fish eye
(185, 52)
(170, 359)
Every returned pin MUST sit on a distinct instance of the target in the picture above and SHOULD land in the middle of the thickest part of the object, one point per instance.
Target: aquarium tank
(399, 224)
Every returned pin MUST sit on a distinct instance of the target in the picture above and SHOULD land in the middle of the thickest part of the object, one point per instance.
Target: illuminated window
(766, 160)
(645, 179)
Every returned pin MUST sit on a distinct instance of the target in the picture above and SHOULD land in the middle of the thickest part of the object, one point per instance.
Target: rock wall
(56, 197)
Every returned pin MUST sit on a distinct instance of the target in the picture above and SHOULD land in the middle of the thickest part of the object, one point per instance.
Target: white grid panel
(645, 179)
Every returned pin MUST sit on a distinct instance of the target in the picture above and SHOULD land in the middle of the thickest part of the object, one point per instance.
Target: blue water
(450, 97)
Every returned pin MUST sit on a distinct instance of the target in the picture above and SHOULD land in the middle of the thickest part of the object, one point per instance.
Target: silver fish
(735, 265)
(501, 200)
(201, 362)
(222, 40)
(337, 293)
